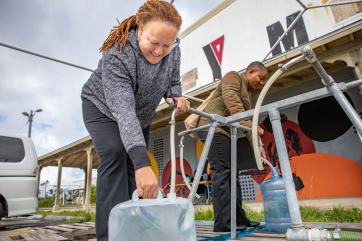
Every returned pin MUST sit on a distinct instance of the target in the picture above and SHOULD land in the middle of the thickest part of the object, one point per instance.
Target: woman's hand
(146, 182)
(182, 104)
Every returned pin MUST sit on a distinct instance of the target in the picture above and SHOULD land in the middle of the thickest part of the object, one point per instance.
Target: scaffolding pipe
(285, 168)
(332, 87)
(201, 164)
(233, 139)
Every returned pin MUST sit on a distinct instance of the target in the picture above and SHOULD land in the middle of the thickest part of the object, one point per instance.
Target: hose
(346, 236)
(257, 108)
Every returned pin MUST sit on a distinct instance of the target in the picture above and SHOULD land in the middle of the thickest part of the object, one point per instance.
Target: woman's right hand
(146, 182)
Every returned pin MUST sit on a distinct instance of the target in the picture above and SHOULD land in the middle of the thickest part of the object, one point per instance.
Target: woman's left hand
(182, 104)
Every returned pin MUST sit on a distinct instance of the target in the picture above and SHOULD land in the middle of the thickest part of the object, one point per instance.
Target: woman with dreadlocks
(139, 65)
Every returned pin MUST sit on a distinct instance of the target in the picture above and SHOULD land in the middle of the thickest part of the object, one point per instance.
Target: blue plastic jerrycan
(277, 217)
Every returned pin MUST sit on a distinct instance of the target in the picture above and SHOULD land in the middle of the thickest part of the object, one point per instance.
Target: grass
(78, 215)
(309, 214)
(45, 202)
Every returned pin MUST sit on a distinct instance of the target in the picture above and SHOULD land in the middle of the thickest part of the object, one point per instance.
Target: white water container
(160, 219)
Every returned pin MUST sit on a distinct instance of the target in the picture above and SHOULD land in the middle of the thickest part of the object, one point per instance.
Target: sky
(70, 30)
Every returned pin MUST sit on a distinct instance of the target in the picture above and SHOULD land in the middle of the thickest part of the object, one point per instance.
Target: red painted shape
(218, 46)
(296, 141)
(166, 177)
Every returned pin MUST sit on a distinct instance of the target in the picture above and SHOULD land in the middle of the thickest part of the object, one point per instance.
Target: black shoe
(241, 227)
(253, 224)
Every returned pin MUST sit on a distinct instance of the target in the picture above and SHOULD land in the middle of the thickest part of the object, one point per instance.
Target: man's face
(256, 78)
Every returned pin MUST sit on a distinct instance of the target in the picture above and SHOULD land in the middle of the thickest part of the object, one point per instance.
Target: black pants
(115, 175)
(219, 157)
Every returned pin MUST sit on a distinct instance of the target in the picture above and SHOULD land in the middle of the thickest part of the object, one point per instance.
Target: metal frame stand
(297, 230)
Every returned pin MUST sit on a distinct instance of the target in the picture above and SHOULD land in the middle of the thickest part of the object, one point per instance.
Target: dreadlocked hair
(150, 10)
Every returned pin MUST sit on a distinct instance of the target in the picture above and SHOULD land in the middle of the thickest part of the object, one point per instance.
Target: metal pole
(200, 166)
(347, 107)
(44, 57)
(286, 170)
(233, 140)
(30, 119)
(333, 88)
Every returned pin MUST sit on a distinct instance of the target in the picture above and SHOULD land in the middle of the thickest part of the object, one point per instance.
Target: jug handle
(135, 196)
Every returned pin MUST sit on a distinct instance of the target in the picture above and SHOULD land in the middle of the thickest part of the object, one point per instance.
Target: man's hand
(146, 182)
(260, 131)
(182, 104)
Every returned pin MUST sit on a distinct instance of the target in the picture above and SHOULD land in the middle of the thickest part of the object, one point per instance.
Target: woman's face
(156, 39)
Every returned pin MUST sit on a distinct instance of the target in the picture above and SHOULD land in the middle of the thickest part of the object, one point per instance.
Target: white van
(18, 182)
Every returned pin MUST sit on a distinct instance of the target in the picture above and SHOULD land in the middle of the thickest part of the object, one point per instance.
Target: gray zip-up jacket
(128, 89)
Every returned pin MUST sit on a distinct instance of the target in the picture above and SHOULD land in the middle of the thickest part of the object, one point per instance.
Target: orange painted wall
(326, 176)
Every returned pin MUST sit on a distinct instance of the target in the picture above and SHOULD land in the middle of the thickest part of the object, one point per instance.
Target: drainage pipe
(182, 164)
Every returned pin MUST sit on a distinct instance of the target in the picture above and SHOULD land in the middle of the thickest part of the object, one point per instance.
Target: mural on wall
(214, 53)
(276, 30)
(180, 189)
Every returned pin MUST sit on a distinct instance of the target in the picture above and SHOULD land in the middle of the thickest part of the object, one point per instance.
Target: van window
(11, 149)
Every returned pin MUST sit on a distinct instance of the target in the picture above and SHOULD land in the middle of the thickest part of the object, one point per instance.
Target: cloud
(68, 30)
(2, 118)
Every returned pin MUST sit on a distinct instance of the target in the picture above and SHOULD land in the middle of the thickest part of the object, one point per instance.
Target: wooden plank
(59, 228)
(90, 223)
(27, 236)
(15, 232)
(46, 231)
(5, 238)
(82, 234)
(83, 225)
(73, 227)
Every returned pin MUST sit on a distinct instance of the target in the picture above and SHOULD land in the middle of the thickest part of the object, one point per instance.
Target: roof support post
(59, 181)
(88, 178)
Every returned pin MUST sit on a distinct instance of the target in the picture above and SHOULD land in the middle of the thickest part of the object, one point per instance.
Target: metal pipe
(45, 57)
(302, 4)
(200, 113)
(182, 164)
(194, 98)
(334, 4)
(200, 166)
(182, 133)
(285, 168)
(354, 83)
(332, 87)
(173, 154)
(347, 107)
(233, 132)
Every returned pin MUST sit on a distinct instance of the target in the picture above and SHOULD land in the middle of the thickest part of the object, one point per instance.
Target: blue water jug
(276, 212)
